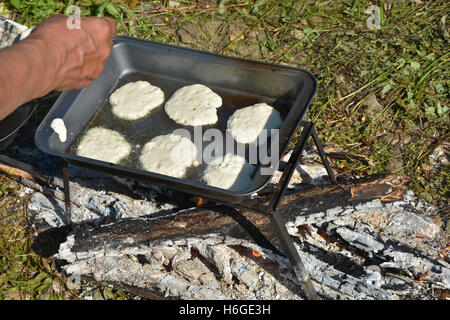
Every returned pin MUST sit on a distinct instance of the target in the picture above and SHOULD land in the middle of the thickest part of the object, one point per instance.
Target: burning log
(365, 239)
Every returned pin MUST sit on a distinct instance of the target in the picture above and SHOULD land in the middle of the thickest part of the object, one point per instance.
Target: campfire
(355, 241)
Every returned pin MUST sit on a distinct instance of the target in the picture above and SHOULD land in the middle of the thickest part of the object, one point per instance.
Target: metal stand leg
(277, 220)
(65, 174)
(319, 146)
(293, 256)
(289, 168)
(323, 155)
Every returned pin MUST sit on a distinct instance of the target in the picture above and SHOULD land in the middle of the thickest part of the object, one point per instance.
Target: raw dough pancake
(246, 124)
(170, 155)
(104, 145)
(135, 100)
(229, 172)
(60, 129)
(194, 105)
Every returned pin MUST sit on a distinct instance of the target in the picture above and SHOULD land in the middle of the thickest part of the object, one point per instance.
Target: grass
(24, 275)
(383, 93)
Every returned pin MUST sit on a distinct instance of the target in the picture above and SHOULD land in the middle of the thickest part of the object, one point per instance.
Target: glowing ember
(199, 202)
(256, 254)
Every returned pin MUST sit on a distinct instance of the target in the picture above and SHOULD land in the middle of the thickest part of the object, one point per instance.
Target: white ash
(305, 173)
(89, 203)
(314, 175)
(367, 232)
(343, 248)
(380, 232)
(236, 276)
(253, 282)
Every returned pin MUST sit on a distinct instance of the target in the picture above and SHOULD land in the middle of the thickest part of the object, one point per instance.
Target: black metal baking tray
(239, 82)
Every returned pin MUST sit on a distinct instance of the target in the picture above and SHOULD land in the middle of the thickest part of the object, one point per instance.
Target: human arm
(54, 57)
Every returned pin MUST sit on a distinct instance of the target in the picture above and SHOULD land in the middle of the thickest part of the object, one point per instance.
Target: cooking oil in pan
(156, 123)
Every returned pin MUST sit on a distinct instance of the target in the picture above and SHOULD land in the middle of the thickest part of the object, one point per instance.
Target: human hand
(76, 57)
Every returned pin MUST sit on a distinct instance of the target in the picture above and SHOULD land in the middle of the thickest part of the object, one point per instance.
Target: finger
(84, 84)
(91, 68)
(100, 29)
(100, 68)
(112, 25)
(96, 63)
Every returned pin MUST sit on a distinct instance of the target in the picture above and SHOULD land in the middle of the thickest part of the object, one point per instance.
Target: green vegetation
(24, 275)
(383, 93)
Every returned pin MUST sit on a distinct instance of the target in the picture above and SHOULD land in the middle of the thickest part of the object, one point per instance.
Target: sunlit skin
(54, 57)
